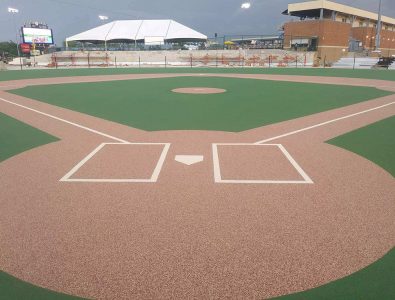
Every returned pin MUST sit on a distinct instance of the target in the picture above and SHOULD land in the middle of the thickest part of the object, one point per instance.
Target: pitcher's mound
(199, 90)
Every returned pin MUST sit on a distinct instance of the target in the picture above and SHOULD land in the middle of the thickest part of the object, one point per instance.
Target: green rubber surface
(150, 104)
(331, 72)
(17, 137)
(371, 283)
(375, 142)
(12, 288)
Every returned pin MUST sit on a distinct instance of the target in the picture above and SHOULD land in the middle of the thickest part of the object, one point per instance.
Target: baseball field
(198, 183)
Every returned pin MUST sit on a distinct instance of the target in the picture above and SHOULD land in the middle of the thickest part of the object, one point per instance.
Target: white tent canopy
(139, 30)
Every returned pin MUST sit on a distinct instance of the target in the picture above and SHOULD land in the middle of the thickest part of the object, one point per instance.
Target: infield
(150, 104)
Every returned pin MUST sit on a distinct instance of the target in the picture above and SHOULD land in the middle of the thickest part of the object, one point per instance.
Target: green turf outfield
(150, 104)
(373, 282)
(12, 288)
(47, 73)
(17, 137)
(375, 142)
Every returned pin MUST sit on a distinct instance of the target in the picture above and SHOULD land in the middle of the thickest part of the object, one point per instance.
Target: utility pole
(378, 31)
(14, 11)
(104, 18)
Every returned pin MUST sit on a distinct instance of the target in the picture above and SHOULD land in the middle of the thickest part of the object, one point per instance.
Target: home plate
(189, 159)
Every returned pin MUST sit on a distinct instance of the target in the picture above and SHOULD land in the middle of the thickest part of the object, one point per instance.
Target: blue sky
(68, 17)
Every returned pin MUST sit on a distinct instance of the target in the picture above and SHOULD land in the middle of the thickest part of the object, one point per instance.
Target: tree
(8, 49)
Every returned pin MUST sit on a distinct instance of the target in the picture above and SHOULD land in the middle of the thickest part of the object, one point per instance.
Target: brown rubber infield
(255, 162)
(199, 90)
(186, 236)
(117, 161)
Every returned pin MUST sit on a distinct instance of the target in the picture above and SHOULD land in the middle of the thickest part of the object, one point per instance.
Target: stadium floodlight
(246, 5)
(104, 18)
(378, 27)
(13, 10)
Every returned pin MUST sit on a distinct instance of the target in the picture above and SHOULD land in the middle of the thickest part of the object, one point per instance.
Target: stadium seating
(360, 62)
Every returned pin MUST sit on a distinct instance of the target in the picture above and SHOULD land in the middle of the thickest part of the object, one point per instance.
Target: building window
(360, 24)
(344, 20)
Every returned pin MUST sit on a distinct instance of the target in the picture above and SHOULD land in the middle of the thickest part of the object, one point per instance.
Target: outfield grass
(149, 104)
(12, 288)
(17, 137)
(48, 73)
(373, 282)
(375, 142)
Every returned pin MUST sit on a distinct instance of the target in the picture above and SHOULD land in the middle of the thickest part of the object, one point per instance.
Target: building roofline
(329, 5)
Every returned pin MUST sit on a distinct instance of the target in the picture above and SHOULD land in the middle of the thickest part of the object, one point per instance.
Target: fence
(227, 58)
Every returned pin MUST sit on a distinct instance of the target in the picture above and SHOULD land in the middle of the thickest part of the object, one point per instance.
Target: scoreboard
(39, 36)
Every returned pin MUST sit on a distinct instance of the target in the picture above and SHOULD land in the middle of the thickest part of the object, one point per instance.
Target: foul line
(322, 124)
(68, 122)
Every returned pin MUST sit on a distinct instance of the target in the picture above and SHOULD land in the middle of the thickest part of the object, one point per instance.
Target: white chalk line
(217, 167)
(67, 122)
(67, 178)
(154, 177)
(298, 168)
(81, 163)
(322, 124)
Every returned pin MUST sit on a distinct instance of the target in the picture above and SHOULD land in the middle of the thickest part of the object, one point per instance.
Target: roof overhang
(138, 30)
(309, 7)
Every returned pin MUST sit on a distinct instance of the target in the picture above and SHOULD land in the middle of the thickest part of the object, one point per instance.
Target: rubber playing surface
(368, 74)
(376, 142)
(373, 281)
(17, 137)
(283, 238)
(151, 105)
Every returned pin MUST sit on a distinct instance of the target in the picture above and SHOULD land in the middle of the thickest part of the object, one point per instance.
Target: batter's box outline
(217, 167)
(154, 177)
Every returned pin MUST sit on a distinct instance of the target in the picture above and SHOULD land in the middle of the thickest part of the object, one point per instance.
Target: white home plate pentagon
(189, 160)
(198, 90)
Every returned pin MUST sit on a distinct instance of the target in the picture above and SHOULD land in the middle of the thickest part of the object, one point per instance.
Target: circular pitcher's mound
(199, 90)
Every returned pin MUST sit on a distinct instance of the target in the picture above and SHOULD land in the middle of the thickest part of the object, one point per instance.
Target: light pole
(378, 31)
(104, 18)
(14, 11)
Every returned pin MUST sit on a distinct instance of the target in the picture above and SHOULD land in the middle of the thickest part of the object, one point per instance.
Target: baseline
(66, 121)
(322, 124)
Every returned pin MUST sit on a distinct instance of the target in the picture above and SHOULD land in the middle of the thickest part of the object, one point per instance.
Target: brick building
(334, 29)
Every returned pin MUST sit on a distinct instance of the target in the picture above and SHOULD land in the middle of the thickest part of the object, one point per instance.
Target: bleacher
(360, 62)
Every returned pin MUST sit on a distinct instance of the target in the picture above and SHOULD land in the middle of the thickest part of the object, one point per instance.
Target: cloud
(68, 17)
